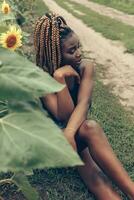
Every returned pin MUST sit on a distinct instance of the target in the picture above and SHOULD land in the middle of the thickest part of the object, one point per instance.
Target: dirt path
(107, 11)
(118, 67)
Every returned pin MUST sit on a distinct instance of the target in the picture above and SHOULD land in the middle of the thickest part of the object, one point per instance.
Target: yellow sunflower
(12, 38)
(5, 7)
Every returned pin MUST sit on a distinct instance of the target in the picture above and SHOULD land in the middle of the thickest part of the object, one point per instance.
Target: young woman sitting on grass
(58, 52)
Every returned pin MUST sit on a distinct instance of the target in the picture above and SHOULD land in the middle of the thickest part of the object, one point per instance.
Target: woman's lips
(78, 61)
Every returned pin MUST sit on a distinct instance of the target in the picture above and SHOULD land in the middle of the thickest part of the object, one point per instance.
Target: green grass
(109, 28)
(41, 8)
(126, 6)
(65, 184)
(118, 124)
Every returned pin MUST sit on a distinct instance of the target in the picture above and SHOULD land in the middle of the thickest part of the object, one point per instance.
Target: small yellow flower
(12, 38)
(5, 7)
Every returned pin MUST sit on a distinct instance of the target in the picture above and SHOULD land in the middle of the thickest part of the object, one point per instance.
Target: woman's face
(71, 53)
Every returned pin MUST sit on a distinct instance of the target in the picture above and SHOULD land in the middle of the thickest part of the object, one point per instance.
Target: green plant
(29, 139)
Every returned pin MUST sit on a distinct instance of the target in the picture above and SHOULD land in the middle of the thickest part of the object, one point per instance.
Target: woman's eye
(72, 51)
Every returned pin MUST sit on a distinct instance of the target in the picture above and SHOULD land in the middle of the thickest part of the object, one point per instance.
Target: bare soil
(109, 12)
(118, 67)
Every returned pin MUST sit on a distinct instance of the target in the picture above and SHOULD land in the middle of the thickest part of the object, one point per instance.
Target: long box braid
(49, 32)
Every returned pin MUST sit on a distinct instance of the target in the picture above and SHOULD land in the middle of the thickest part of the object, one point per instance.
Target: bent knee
(88, 127)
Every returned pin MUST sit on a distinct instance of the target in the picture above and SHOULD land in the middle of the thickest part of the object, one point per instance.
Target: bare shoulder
(87, 68)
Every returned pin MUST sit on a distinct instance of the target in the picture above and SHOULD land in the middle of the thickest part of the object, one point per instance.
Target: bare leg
(94, 179)
(104, 156)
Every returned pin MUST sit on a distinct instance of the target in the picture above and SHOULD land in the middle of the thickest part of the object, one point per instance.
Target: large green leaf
(22, 182)
(30, 139)
(21, 79)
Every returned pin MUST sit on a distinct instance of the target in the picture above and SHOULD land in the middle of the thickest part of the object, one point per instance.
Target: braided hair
(49, 32)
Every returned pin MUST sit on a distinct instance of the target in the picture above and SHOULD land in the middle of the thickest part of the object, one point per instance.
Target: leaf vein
(10, 138)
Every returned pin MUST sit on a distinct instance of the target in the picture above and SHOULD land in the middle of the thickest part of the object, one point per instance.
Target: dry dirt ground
(118, 66)
(107, 11)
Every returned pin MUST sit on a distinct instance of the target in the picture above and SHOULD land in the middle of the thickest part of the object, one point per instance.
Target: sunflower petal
(12, 38)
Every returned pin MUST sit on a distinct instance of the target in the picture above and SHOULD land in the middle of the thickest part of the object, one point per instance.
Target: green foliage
(65, 183)
(22, 182)
(23, 9)
(21, 79)
(24, 129)
(29, 139)
(20, 8)
(7, 17)
(22, 5)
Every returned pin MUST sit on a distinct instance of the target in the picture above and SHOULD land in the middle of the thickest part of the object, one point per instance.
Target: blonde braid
(37, 40)
(58, 48)
(53, 44)
(49, 48)
(46, 42)
(42, 41)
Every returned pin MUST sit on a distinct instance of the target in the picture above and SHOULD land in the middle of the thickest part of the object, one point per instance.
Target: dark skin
(68, 75)
(82, 133)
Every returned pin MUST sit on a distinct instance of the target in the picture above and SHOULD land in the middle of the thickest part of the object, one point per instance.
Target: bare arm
(56, 103)
(84, 97)
(65, 105)
(61, 104)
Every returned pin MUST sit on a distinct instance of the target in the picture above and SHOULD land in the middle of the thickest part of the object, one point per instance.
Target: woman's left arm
(84, 98)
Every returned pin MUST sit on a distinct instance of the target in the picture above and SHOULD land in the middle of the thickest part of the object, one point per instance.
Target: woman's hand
(70, 137)
(66, 71)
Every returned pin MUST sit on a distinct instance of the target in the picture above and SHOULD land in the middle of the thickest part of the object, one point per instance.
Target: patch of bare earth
(76, 11)
(118, 66)
(107, 11)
